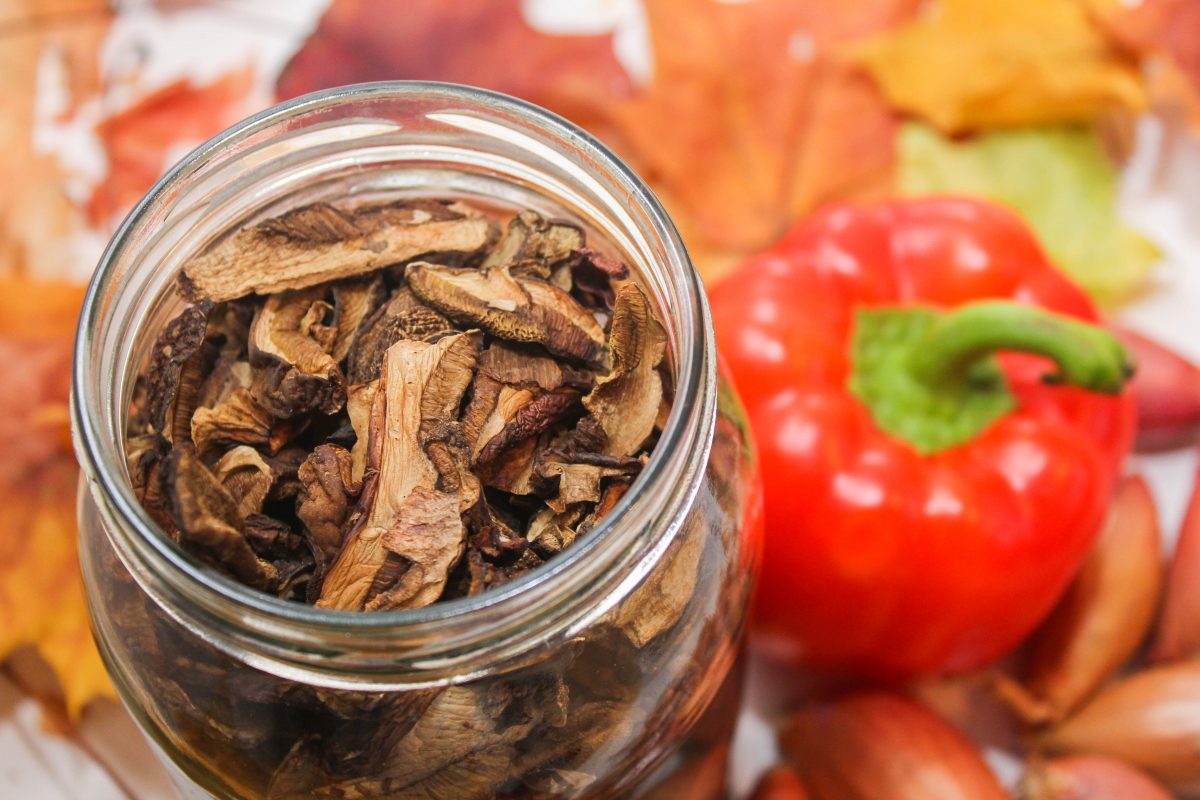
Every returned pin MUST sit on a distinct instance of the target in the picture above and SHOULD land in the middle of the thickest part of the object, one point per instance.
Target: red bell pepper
(936, 461)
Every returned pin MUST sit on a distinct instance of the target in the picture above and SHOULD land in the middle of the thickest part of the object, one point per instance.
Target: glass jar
(589, 677)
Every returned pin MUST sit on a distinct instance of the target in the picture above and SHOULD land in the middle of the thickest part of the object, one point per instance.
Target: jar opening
(392, 138)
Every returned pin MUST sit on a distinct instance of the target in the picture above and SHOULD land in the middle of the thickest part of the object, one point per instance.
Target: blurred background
(744, 115)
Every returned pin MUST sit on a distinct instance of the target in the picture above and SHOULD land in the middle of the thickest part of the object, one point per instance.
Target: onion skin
(1090, 778)
(1167, 388)
(1104, 616)
(780, 783)
(881, 745)
(1179, 629)
(1150, 720)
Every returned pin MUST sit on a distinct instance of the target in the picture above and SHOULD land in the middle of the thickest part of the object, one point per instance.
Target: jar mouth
(676, 461)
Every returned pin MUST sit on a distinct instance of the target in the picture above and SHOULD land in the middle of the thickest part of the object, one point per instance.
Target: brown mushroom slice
(516, 309)
(420, 383)
(208, 520)
(237, 420)
(402, 317)
(247, 477)
(577, 483)
(532, 244)
(177, 347)
(289, 352)
(353, 301)
(321, 242)
(517, 366)
(592, 274)
(518, 415)
(323, 503)
(626, 401)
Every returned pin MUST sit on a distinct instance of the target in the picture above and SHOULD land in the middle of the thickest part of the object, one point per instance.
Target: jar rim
(687, 431)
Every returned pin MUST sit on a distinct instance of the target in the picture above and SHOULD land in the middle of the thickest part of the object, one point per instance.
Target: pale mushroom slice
(294, 372)
(420, 391)
(323, 242)
(626, 401)
(354, 300)
(516, 309)
(247, 477)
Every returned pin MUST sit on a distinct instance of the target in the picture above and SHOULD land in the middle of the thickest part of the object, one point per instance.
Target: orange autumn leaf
(139, 140)
(750, 118)
(1169, 29)
(41, 594)
(973, 64)
(37, 218)
(484, 43)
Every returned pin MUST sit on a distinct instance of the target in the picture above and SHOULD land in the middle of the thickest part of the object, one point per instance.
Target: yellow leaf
(972, 64)
(41, 593)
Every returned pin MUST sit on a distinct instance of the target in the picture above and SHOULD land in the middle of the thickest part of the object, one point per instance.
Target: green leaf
(1058, 178)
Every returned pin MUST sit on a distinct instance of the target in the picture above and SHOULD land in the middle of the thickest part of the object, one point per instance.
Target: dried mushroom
(322, 242)
(626, 401)
(386, 406)
(290, 345)
(514, 309)
(421, 386)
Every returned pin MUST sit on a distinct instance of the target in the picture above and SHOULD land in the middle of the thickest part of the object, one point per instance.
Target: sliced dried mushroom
(517, 366)
(579, 482)
(247, 477)
(592, 274)
(322, 242)
(516, 309)
(354, 300)
(625, 402)
(421, 383)
(360, 400)
(208, 521)
(179, 343)
(236, 420)
(326, 489)
(294, 372)
(402, 317)
(532, 245)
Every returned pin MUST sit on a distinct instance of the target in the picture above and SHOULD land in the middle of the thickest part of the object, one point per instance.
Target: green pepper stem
(1086, 355)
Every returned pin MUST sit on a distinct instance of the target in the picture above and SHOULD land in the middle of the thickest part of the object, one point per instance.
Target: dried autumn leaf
(976, 64)
(493, 47)
(1058, 179)
(41, 592)
(138, 139)
(1166, 28)
(753, 91)
(51, 50)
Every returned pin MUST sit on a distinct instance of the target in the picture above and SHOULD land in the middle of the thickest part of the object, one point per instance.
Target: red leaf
(139, 139)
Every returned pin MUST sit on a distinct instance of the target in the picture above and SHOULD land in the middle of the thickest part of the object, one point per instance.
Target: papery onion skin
(1090, 778)
(1150, 719)
(875, 745)
(1179, 629)
(1105, 614)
